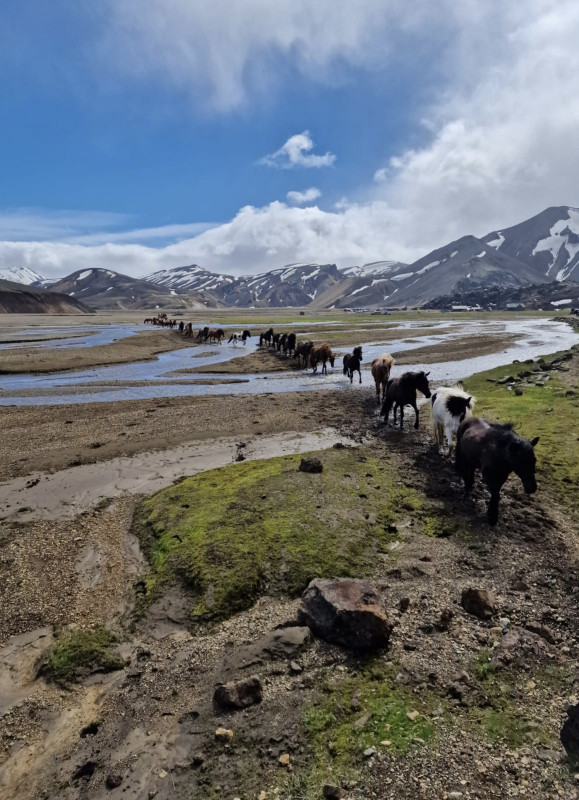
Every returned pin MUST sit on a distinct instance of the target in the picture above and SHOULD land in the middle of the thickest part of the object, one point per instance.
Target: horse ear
(535, 441)
(426, 374)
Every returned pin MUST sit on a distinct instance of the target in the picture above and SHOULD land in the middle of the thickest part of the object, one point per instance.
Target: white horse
(450, 405)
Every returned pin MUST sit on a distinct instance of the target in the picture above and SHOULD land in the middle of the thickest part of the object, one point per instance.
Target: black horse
(280, 344)
(289, 344)
(265, 338)
(352, 362)
(402, 392)
(302, 353)
(497, 451)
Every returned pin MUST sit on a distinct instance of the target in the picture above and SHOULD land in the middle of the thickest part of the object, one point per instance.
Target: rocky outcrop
(311, 465)
(347, 612)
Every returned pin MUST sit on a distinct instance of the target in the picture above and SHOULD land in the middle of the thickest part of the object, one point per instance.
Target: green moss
(80, 652)
(546, 411)
(337, 736)
(228, 535)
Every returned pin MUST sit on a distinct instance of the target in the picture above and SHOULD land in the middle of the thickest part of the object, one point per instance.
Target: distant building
(515, 307)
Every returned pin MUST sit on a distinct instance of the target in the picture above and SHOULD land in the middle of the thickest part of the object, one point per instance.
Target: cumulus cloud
(497, 143)
(296, 153)
(308, 196)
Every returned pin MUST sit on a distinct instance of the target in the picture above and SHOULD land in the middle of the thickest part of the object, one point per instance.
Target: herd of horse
(494, 449)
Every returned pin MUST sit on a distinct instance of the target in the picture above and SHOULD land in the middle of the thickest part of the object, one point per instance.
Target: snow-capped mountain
(461, 266)
(374, 267)
(192, 278)
(103, 288)
(23, 275)
(549, 242)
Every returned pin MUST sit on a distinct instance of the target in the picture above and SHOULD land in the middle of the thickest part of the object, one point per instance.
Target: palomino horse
(381, 367)
(497, 451)
(401, 392)
(352, 362)
(323, 353)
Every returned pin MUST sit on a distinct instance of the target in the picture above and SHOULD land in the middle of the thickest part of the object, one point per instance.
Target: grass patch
(337, 735)
(229, 535)
(546, 411)
(79, 653)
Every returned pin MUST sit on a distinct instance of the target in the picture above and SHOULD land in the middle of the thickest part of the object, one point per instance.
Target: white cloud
(296, 153)
(496, 145)
(35, 223)
(300, 198)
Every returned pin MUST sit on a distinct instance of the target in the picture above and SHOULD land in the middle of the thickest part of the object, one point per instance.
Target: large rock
(347, 612)
(239, 694)
(519, 648)
(479, 602)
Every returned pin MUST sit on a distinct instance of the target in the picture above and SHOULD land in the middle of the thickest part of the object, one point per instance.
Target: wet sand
(456, 350)
(54, 437)
(143, 346)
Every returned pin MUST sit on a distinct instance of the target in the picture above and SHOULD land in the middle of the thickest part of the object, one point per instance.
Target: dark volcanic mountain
(461, 266)
(192, 278)
(556, 295)
(548, 242)
(105, 289)
(17, 298)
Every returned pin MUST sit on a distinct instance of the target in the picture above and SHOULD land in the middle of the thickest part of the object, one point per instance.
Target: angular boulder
(479, 602)
(521, 649)
(239, 694)
(347, 612)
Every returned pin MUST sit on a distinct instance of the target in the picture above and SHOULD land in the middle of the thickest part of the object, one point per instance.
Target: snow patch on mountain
(23, 275)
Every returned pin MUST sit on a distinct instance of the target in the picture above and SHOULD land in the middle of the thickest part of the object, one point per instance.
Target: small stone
(530, 685)
(369, 752)
(163, 774)
(224, 735)
(478, 602)
(404, 604)
(295, 667)
(412, 715)
(312, 465)
(454, 795)
(284, 759)
(361, 721)
(333, 792)
(355, 703)
(262, 796)
(386, 742)
(240, 694)
(113, 780)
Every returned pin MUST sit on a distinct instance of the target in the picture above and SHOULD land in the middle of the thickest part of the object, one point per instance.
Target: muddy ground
(148, 730)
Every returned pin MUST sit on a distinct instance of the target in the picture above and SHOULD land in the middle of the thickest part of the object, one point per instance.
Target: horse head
(422, 383)
(523, 461)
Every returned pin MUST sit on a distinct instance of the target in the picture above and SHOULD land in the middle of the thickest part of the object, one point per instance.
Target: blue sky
(143, 116)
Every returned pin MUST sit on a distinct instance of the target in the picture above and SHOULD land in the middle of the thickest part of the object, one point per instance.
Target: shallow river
(157, 378)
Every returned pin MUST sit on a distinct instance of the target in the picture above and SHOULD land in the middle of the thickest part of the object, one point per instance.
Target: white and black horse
(450, 405)
(240, 336)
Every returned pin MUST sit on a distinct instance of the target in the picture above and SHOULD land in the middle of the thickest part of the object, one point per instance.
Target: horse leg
(415, 407)
(351, 376)
(494, 484)
(360, 374)
(401, 416)
(386, 409)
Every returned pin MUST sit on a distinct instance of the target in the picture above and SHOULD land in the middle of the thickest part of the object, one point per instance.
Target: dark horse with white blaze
(352, 362)
(497, 451)
(401, 392)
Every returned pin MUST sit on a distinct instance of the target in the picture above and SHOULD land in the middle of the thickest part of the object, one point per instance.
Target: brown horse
(322, 352)
(215, 335)
(381, 367)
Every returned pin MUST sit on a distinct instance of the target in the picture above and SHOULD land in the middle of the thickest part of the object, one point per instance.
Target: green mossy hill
(550, 412)
(229, 535)
(80, 653)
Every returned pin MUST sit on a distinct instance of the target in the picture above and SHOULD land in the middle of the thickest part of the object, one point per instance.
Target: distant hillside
(546, 296)
(15, 298)
(105, 289)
